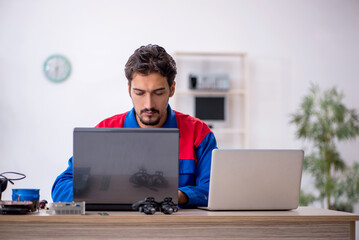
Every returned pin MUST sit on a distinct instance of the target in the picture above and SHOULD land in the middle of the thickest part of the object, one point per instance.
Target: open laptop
(255, 179)
(116, 167)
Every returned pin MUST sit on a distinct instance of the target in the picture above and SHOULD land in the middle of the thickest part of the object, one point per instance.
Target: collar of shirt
(130, 120)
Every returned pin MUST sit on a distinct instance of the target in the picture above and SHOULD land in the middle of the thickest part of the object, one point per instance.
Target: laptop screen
(124, 165)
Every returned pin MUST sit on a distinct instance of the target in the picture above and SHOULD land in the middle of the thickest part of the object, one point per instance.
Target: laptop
(116, 167)
(255, 179)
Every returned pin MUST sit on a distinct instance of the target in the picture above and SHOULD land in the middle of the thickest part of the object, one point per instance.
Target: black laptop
(116, 167)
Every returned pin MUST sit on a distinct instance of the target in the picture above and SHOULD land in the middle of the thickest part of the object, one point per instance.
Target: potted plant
(322, 121)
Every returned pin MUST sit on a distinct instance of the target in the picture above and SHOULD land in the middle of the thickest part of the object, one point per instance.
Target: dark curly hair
(151, 59)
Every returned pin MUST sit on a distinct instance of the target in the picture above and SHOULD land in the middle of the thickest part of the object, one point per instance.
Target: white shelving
(211, 92)
(233, 132)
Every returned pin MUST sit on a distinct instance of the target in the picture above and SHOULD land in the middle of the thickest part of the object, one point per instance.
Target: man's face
(150, 95)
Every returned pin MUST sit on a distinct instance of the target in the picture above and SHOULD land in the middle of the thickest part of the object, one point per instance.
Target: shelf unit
(233, 132)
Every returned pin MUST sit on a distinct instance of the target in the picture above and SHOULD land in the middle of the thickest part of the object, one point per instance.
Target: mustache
(150, 110)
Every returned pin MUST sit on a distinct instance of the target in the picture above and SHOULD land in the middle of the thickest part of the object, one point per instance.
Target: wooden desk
(302, 223)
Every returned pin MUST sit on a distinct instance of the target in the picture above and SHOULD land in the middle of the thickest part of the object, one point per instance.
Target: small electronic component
(103, 214)
(16, 207)
(42, 204)
(67, 208)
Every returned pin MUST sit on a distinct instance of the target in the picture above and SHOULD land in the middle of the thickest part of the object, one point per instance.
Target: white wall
(289, 43)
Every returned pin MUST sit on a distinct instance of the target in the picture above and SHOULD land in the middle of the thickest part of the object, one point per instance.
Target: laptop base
(108, 207)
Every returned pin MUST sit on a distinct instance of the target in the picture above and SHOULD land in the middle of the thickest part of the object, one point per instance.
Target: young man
(151, 72)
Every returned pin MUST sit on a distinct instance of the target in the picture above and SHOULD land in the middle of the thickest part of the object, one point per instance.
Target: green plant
(322, 121)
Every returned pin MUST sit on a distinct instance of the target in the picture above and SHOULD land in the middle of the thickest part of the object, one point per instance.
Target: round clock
(57, 68)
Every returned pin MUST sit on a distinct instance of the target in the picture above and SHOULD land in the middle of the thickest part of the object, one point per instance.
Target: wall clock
(57, 68)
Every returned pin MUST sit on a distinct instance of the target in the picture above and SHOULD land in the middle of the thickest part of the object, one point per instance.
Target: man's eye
(139, 93)
(159, 93)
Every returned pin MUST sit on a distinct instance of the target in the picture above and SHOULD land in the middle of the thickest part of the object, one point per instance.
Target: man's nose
(149, 102)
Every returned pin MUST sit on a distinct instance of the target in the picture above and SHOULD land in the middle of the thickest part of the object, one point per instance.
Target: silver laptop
(116, 167)
(255, 179)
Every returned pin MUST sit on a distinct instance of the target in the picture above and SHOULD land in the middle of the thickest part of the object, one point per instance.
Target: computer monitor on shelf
(211, 109)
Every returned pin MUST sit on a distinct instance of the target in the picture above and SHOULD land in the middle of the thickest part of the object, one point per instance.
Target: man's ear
(129, 88)
(172, 89)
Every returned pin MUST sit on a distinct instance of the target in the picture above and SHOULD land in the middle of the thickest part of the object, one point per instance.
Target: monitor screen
(210, 108)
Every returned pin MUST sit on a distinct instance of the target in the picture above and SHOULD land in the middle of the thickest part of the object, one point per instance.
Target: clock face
(57, 68)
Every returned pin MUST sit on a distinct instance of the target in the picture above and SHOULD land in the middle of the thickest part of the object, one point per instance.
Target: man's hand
(182, 198)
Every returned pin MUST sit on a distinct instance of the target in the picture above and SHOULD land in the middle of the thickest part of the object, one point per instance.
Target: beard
(150, 120)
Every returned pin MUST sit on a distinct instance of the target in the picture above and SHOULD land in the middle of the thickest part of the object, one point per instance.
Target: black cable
(13, 179)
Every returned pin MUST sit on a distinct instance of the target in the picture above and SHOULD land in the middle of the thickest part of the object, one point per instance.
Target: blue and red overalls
(195, 151)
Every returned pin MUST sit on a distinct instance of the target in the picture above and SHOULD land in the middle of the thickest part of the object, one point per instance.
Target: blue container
(26, 194)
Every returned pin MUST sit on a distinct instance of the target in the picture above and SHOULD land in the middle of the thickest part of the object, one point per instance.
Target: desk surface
(302, 214)
(301, 223)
